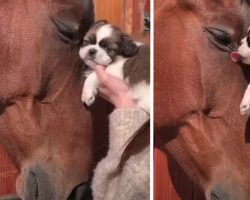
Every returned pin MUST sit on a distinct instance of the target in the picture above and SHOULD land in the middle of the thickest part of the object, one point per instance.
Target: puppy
(105, 44)
(243, 55)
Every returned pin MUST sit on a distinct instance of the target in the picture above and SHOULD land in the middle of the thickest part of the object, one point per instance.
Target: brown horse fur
(197, 95)
(43, 125)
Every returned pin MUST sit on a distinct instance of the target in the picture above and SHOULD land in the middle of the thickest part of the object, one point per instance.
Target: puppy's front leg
(245, 104)
(90, 89)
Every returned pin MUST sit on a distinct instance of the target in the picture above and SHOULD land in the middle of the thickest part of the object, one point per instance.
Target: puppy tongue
(235, 56)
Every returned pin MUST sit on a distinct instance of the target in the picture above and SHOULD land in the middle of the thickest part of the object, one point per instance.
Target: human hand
(114, 90)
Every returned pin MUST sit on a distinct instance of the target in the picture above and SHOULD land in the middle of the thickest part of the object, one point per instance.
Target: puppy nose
(92, 52)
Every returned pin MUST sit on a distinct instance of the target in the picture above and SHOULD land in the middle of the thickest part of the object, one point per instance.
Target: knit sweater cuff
(123, 124)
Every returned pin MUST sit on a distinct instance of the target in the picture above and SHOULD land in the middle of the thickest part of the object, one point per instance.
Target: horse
(198, 90)
(44, 127)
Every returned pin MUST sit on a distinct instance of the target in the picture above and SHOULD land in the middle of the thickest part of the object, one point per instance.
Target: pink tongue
(235, 56)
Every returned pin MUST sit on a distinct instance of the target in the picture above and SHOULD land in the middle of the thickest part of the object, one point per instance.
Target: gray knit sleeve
(123, 123)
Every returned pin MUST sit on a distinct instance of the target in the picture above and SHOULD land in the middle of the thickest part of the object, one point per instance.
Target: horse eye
(219, 38)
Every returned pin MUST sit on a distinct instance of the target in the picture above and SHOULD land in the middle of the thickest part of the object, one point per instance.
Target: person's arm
(124, 121)
(127, 118)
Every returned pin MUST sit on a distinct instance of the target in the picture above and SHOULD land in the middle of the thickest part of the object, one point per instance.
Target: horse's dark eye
(219, 38)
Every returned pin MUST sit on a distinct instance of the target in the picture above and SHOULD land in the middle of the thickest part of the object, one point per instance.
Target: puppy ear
(101, 22)
(128, 47)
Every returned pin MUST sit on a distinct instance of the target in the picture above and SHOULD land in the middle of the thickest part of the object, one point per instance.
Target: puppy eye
(108, 49)
(86, 42)
(219, 38)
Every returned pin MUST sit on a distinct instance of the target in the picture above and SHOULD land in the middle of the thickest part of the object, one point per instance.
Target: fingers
(101, 74)
(104, 91)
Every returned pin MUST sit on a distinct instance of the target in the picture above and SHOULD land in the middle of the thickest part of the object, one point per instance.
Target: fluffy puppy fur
(243, 55)
(105, 44)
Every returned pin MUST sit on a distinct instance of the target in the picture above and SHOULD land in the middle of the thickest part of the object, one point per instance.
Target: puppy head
(104, 43)
(244, 49)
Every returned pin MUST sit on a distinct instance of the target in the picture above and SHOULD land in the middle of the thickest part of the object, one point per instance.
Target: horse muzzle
(228, 193)
(40, 183)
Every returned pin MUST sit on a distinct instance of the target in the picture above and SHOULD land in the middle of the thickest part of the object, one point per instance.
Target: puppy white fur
(103, 45)
(244, 51)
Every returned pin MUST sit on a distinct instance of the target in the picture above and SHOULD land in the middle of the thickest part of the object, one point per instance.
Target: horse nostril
(32, 184)
(92, 52)
(38, 185)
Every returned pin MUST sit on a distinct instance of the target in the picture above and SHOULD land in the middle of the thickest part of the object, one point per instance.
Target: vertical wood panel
(127, 14)
(163, 187)
(111, 10)
(8, 174)
(171, 183)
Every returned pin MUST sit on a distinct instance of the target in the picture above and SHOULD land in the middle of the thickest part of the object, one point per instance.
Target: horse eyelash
(230, 47)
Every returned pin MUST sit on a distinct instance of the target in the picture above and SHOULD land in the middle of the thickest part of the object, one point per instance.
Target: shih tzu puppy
(243, 55)
(128, 60)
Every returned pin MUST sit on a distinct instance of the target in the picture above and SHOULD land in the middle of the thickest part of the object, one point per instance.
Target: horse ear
(128, 47)
(73, 20)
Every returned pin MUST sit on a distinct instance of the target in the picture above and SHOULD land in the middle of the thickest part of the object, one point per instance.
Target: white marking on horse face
(244, 51)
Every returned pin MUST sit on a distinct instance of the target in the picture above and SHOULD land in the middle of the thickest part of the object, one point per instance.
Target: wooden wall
(127, 14)
(170, 182)
(163, 187)
(8, 174)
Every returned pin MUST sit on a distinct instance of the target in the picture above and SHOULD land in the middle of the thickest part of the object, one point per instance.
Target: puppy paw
(88, 97)
(245, 108)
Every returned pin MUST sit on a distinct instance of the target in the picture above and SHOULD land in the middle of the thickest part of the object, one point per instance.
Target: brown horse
(198, 91)
(43, 125)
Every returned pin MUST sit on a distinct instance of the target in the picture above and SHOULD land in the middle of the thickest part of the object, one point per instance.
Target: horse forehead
(184, 50)
(209, 3)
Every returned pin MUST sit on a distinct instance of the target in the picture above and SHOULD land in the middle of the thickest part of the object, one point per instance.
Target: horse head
(43, 125)
(198, 90)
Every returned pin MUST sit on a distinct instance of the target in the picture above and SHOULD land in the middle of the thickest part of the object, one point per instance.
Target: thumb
(101, 74)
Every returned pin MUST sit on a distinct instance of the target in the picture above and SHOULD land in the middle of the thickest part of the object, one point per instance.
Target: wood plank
(170, 181)
(111, 10)
(163, 186)
(8, 174)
